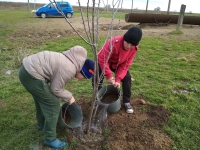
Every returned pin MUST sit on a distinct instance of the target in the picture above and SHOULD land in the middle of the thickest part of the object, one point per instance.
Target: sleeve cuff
(117, 80)
(108, 76)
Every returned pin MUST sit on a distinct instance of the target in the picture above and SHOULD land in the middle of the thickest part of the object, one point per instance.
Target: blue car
(49, 10)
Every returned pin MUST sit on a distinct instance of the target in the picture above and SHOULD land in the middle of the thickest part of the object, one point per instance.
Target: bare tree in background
(157, 9)
(90, 21)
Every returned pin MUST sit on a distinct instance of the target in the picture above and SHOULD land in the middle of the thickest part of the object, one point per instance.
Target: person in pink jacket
(117, 55)
(44, 75)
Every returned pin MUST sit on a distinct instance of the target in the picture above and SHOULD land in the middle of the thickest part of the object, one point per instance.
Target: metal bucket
(70, 116)
(109, 96)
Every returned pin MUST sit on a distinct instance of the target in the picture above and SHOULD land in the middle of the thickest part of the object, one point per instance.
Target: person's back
(45, 65)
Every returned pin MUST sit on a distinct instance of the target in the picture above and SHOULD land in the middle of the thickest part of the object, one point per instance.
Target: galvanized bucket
(70, 116)
(109, 96)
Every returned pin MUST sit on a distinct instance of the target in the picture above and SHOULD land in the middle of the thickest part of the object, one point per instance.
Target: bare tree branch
(92, 33)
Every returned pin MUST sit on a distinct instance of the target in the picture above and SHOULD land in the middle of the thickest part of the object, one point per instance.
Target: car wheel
(43, 15)
(68, 15)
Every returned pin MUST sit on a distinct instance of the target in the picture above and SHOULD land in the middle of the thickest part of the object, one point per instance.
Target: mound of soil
(141, 130)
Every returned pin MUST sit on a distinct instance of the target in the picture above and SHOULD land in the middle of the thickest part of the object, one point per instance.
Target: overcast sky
(191, 5)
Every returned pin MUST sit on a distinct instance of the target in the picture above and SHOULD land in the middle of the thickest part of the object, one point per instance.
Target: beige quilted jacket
(56, 68)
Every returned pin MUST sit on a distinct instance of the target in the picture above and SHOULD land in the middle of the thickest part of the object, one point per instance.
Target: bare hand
(117, 85)
(111, 80)
(71, 101)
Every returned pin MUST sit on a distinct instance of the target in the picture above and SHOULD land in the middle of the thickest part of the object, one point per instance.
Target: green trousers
(47, 104)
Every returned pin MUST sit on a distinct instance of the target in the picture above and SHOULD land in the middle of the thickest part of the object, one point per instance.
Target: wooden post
(28, 5)
(147, 5)
(168, 7)
(132, 7)
(181, 17)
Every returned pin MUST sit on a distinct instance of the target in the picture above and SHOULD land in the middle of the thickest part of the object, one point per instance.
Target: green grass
(162, 67)
(177, 32)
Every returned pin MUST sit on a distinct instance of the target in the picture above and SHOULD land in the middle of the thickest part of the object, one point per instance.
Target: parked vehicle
(49, 10)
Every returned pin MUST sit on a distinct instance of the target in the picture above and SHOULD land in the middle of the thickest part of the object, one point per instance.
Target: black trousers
(126, 85)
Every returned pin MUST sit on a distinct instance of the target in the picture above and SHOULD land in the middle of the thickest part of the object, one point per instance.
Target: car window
(45, 5)
(63, 5)
(52, 5)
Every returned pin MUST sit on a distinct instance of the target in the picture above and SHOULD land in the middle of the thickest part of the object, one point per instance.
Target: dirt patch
(39, 30)
(36, 30)
(141, 130)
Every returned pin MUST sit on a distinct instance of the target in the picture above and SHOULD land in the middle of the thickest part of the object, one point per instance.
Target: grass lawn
(166, 72)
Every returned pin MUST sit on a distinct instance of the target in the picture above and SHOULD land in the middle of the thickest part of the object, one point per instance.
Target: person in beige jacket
(44, 75)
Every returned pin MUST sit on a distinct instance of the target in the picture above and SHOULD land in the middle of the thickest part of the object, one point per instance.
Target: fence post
(168, 7)
(181, 17)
